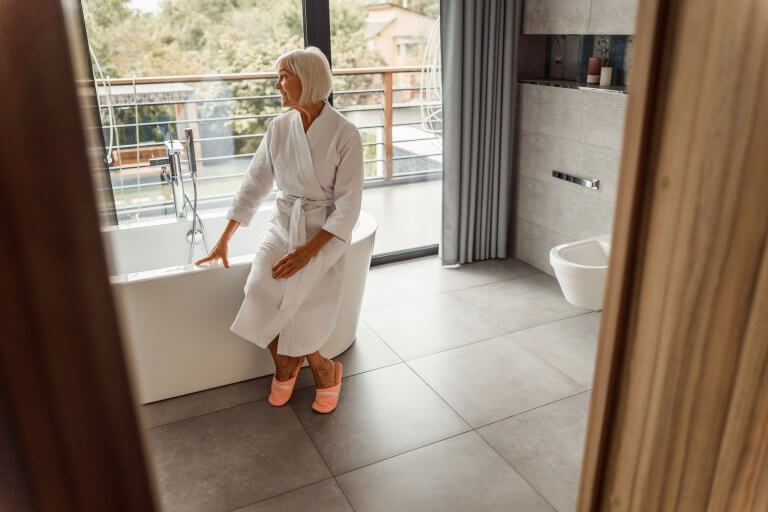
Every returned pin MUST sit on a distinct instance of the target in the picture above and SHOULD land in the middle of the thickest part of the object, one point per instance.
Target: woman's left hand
(292, 262)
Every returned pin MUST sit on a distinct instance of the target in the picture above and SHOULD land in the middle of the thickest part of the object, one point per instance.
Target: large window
(163, 66)
(394, 104)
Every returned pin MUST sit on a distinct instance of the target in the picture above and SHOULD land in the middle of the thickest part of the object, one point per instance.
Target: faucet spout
(171, 165)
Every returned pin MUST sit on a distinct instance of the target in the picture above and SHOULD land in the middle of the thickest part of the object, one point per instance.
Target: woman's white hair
(313, 70)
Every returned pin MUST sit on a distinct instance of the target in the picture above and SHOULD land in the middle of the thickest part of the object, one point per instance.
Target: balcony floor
(408, 434)
(409, 215)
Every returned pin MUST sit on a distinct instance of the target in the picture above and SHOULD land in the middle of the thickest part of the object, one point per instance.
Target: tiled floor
(467, 390)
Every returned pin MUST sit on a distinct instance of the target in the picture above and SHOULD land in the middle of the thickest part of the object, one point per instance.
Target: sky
(145, 5)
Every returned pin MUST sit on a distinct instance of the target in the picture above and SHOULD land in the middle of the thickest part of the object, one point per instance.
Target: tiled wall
(566, 56)
(570, 130)
(579, 16)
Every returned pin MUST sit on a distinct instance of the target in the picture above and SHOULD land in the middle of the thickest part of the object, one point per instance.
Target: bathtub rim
(366, 227)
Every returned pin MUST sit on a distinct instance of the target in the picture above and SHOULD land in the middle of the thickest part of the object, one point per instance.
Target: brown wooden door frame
(679, 412)
(70, 407)
(675, 324)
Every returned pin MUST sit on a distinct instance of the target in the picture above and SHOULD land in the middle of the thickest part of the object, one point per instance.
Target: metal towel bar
(592, 183)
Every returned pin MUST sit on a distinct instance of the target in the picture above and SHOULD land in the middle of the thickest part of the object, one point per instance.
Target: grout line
(499, 336)
(517, 472)
(465, 420)
(304, 428)
(558, 370)
(344, 494)
(471, 429)
(533, 271)
(298, 420)
(405, 452)
(278, 494)
(534, 408)
(207, 413)
(406, 361)
(265, 398)
(383, 341)
(357, 373)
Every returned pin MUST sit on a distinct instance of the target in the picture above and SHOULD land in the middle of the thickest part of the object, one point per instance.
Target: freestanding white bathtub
(175, 318)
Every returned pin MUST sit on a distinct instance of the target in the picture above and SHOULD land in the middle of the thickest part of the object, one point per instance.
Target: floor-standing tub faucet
(171, 165)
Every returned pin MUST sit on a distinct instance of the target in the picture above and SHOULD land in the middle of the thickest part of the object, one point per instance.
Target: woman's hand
(219, 252)
(296, 259)
(293, 262)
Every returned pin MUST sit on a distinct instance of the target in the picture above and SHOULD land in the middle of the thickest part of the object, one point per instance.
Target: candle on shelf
(593, 70)
(606, 74)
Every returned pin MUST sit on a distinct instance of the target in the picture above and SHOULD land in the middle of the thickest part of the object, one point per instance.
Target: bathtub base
(176, 328)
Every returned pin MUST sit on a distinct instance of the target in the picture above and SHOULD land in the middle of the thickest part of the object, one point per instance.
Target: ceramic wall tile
(556, 16)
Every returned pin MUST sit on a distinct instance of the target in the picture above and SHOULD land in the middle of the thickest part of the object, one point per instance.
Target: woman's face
(289, 86)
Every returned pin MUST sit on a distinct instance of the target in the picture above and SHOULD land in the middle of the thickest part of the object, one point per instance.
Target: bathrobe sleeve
(256, 184)
(348, 186)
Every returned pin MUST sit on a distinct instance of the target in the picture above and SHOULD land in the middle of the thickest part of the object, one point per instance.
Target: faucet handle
(173, 146)
(158, 161)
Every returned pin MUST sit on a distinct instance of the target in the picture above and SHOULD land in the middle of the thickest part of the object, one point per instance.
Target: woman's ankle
(284, 368)
(324, 376)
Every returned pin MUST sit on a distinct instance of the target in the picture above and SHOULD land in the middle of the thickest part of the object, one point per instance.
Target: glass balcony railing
(397, 115)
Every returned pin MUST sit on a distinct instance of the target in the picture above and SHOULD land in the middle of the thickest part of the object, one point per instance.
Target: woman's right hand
(219, 252)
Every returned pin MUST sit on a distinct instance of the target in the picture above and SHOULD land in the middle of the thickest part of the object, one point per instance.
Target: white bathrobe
(320, 178)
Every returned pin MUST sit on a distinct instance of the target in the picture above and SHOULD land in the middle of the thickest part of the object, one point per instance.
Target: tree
(222, 36)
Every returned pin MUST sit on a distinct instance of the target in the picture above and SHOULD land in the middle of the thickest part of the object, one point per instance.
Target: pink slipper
(326, 399)
(282, 390)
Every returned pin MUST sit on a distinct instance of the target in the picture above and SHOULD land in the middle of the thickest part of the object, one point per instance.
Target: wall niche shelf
(574, 84)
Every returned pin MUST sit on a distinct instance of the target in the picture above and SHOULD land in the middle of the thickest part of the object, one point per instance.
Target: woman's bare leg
(322, 369)
(284, 365)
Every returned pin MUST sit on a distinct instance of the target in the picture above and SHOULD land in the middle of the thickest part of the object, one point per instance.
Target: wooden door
(679, 413)
(70, 439)
(679, 417)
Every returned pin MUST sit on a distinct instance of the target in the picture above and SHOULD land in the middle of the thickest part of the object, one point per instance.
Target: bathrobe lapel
(300, 172)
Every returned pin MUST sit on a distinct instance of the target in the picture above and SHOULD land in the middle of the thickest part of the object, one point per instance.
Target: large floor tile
(380, 414)
(368, 352)
(492, 380)
(569, 345)
(395, 283)
(432, 324)
(323, 496)
(546, 446)
(204, 402)
(521, 303)
(452, 278)
(458, 474)
(228, 459)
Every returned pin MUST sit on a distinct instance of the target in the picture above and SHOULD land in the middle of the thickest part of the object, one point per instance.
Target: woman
(292, 293)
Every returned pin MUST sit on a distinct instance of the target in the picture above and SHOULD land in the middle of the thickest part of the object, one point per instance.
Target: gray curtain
(479, 76)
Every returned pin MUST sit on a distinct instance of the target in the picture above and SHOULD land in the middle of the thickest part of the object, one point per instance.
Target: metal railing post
(388, 162)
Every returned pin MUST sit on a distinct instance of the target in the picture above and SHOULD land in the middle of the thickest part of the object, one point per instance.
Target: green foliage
(224, 36)
(429, 8)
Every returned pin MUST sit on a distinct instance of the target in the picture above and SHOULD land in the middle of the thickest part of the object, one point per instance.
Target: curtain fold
(479, 79)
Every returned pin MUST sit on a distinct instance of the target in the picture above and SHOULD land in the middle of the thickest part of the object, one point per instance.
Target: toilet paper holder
(592, 183)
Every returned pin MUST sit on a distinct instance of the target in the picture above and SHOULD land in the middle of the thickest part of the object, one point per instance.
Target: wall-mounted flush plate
(592, 183)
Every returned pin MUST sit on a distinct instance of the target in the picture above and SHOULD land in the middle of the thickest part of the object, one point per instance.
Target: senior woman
(292, 292)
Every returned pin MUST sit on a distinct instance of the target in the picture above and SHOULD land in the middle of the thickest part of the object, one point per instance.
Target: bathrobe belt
(297, 236)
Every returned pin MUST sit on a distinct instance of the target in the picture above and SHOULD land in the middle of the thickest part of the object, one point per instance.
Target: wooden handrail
(388, 163)
(246, 76)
